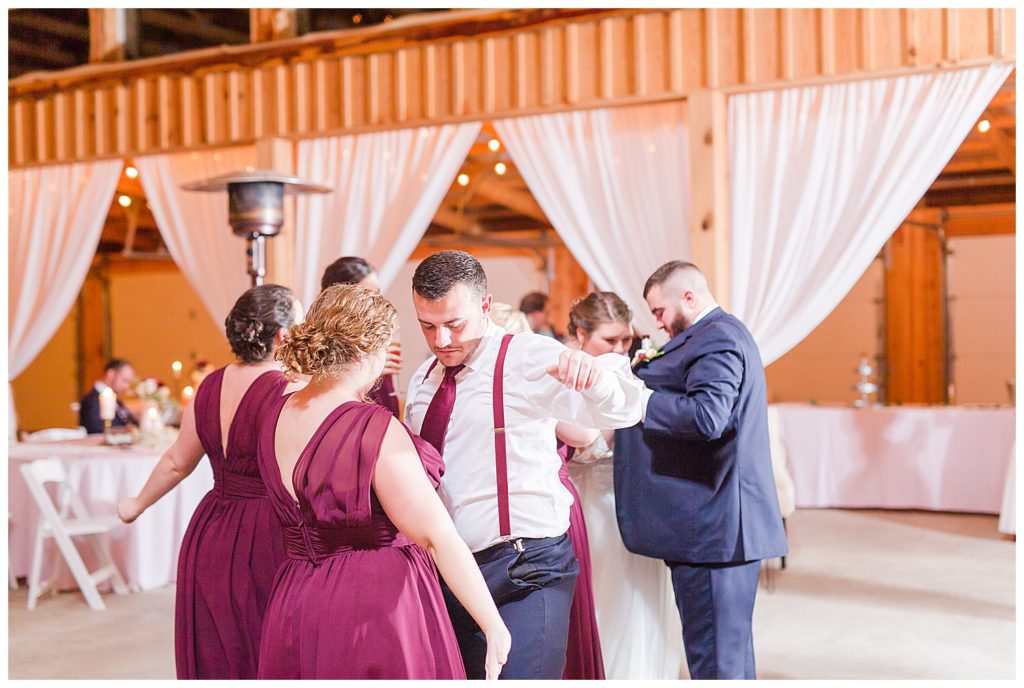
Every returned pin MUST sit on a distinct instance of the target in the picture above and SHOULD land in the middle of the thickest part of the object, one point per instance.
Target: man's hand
(576, 370)
(393, 365)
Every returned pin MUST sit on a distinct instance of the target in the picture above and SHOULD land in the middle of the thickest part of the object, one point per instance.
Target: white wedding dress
(641, 636)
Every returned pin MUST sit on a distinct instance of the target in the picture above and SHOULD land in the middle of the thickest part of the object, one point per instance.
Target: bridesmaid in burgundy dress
(356, 270)
(358, 597)
(234, 543)
(583, 659)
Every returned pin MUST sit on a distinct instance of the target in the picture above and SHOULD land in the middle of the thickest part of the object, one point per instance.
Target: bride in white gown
(641, 636)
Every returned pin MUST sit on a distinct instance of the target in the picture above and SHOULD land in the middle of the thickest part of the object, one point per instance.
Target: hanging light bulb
(463, 179)
(131, 172)
(500, 168)
(494, 145)
(124, 201)
(984, 126)
(356, 18)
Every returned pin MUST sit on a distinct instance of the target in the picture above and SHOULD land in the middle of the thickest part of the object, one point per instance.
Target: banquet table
(145, 551)
(939, 458)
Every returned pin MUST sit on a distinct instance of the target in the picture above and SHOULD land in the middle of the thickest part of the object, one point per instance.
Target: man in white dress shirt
(502, 487)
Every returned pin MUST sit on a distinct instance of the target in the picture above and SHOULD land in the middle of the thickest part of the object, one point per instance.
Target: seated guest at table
(118, 376)
(359, 597)
(234, 543)
(356, 270)
(535, 307)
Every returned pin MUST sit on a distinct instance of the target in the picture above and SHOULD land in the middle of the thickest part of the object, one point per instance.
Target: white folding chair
(67, 519)
(57, 435)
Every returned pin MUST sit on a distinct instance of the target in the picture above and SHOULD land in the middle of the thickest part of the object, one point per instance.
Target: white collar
(700, 316)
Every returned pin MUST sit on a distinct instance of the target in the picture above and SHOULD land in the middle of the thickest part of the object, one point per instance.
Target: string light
(494, 145)
(124, 201)
(356, 18)
(131, 172)
(500, 168)
(984, 126)
(463, 179)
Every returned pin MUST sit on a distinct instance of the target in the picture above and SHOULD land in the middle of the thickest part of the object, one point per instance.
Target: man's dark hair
(116, 364)
(346, 270)
(533, 302)
(438, 274)
(666, 271)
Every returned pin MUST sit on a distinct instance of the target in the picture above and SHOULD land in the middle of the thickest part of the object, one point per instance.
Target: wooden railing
(472, 65)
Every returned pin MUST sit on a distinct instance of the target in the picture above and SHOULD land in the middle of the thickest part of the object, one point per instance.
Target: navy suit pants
(533, 591)
(716, 606)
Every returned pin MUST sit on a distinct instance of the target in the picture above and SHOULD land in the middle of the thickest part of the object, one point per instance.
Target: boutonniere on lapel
(646, 352)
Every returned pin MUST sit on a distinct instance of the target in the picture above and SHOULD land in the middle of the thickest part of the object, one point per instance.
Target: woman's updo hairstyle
(596, 308)
(256, 317)
(344, 324)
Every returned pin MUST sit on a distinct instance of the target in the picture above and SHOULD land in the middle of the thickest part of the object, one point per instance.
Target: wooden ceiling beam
(184, 27)
(1004, 148)
(37, 20)
(460, 223)
(522, 203)
(49, 54)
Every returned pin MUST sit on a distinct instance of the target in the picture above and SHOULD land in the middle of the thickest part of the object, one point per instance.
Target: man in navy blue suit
(693, 480)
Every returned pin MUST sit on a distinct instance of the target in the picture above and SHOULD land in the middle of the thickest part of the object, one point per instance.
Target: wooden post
(915, 346)
(569, 283)
(279, 155)
(93, 316)
(113, 34)
(272, 24)
(709, 191)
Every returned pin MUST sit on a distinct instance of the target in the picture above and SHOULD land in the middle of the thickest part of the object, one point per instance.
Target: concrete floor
(865, 595)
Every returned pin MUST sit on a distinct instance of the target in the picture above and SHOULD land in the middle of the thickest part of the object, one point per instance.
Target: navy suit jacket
(693, 481)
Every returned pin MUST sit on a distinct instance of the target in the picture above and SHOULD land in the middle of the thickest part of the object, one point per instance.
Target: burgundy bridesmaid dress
(356, 599)
(583, 659)
(233, 546)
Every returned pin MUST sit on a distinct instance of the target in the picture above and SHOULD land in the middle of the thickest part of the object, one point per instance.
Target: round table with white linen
(146, 551)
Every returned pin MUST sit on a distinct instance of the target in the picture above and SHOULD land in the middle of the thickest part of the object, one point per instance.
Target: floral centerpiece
(157, 395)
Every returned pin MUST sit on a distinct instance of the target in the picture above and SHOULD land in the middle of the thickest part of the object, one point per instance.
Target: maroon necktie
(435, 422)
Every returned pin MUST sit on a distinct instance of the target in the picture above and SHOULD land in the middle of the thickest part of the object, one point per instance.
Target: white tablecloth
(1008, 512)
(941, 458)
(146, 551)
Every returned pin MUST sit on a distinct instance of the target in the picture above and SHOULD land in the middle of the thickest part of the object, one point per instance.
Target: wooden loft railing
(473, 65)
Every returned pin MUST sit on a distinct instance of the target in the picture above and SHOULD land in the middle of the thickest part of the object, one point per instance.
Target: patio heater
(256, 208)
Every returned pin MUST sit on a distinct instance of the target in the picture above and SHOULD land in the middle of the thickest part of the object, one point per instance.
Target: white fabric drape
(821, 176)
(56, 216)
(194, 224)
(615, 184)
(387, 187)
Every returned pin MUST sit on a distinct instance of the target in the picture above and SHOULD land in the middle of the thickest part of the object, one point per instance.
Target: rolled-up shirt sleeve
(613, 402)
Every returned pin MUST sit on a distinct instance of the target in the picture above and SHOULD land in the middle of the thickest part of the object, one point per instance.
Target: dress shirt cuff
(646, 399)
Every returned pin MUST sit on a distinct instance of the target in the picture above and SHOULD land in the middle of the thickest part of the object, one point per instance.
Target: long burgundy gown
(233, 546)
(583, 660)
(356, 599)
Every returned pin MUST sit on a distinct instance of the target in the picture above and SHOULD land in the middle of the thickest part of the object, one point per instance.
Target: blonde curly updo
(344, 324)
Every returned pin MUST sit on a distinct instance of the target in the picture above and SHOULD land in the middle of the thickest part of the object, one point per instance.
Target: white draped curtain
(820, 178)
(387, 187)
(194, 224)
(615, 184)
(56, 215)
